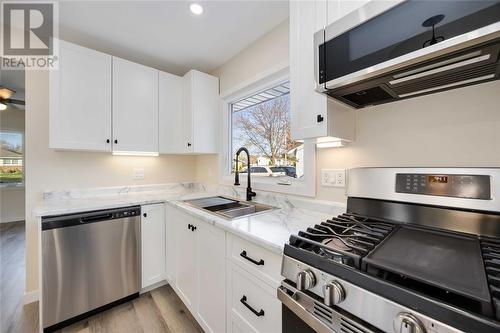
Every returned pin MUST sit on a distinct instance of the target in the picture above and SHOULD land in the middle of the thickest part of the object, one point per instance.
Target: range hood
(392, 50)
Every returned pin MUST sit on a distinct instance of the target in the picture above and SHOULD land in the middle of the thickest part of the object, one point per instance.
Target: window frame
(22, 183)
(306, 186)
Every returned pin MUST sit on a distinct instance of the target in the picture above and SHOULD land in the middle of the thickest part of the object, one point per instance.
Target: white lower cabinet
(223, 290)
(198, 268)
(152, 244)
(252, 305)
(185, 258)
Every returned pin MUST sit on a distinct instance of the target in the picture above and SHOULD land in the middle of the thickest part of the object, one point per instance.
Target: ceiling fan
(5, 94)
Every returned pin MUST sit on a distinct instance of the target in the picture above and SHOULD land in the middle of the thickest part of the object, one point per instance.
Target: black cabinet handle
(107, 141)
(193, 228)
(190, 226)
(116, 141)
(258, 263)
(255, 312)
(145, 215)
(319, 118)
(189, 144)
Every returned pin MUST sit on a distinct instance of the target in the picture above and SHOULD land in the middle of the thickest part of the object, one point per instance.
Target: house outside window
(11, 158)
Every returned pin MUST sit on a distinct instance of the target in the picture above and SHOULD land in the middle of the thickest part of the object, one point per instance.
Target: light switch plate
(138, 174)
(333, 177)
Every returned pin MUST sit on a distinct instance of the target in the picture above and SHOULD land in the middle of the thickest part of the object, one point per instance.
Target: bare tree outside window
(265, 130)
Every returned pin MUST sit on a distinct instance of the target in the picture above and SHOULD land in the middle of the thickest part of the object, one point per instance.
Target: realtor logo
(28, 34)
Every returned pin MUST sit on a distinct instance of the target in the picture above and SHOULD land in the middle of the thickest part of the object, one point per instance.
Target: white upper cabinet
(135, 107)
(80, 100)
(201, 113)
(170, 113)
(313, 115)
(153, 250)
(340, 8)
(104, 103)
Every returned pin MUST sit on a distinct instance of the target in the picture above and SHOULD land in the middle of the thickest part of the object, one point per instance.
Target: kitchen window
(260, 120)
(11, 159)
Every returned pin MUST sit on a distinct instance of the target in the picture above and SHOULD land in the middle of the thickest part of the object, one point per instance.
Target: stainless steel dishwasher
(91, 261)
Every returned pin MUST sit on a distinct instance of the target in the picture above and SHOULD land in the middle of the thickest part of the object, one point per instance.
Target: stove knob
(407, 323)
(305, 280)
(334, 293)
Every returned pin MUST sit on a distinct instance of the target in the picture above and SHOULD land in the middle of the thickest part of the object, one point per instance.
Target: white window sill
(296, 187)
(10, 187)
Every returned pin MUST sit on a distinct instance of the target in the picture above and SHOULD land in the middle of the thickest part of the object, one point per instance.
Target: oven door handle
(302, 313)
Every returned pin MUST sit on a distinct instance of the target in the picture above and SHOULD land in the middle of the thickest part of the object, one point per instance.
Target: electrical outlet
(333, 177)
(138, 174)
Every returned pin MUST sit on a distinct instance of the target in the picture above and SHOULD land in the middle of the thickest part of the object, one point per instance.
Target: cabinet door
(135, 107)
(170, 113)
(306, 18)
(185, 259)
(211, 277)
(205, 112)
(153, 244)
(80, 100)
(187, 113)
(171, 253)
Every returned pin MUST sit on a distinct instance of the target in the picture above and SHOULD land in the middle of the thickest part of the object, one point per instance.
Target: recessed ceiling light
(196, 8)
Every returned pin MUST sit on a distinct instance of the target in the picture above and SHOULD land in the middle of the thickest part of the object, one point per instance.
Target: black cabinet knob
(189, 145)
(116, 141)
(319, 118)
(189, 226)
(193, 228)
(108, 141)
(145, 215)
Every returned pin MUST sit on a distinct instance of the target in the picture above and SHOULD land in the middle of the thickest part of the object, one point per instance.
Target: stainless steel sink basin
(228, 208)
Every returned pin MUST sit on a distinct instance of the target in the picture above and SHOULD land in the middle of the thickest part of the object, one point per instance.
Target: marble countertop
(270, 229)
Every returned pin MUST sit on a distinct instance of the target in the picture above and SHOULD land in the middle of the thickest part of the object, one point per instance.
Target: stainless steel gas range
(417, 251)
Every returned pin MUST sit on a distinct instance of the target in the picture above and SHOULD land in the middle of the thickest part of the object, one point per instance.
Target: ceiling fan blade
(14, 101)
(5, 93)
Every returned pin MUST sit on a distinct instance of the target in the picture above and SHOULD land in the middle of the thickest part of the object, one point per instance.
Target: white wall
(456, 128)
(49, 169)
(451, 129)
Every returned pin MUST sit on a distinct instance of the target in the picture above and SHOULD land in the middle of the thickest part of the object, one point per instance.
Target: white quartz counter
(269, 229)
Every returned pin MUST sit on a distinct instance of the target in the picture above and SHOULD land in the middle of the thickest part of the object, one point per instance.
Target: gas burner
(344, 239)
(337, 244)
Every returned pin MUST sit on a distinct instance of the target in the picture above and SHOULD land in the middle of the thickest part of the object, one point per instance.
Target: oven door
(302, 313)
(388, 35)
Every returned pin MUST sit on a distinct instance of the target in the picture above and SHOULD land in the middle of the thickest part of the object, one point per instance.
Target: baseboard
(12, 219)
(154, 286)
(30, 297)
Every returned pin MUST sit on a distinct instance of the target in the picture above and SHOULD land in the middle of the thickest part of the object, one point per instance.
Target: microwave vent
(368, 96)
(455, 78)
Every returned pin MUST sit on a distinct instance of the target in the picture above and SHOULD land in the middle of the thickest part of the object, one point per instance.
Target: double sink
(228, 208)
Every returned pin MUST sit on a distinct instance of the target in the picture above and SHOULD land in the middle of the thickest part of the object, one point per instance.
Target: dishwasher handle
(96, 218)
(75, 219)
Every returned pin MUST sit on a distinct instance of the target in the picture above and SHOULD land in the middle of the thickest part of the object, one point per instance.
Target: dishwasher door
(89, 260)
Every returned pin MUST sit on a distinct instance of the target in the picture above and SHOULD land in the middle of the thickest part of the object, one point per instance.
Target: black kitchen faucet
(250, 193)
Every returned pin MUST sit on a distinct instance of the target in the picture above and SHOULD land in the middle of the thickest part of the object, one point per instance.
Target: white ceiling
(164, 34)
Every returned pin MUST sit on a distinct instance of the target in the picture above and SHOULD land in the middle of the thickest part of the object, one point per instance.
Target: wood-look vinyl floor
(159, 310)
(14, 317)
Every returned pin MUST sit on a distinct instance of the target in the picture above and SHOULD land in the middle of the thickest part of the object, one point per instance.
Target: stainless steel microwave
(391, 50)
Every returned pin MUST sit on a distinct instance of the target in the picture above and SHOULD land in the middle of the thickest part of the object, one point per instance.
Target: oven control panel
(449, 185)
